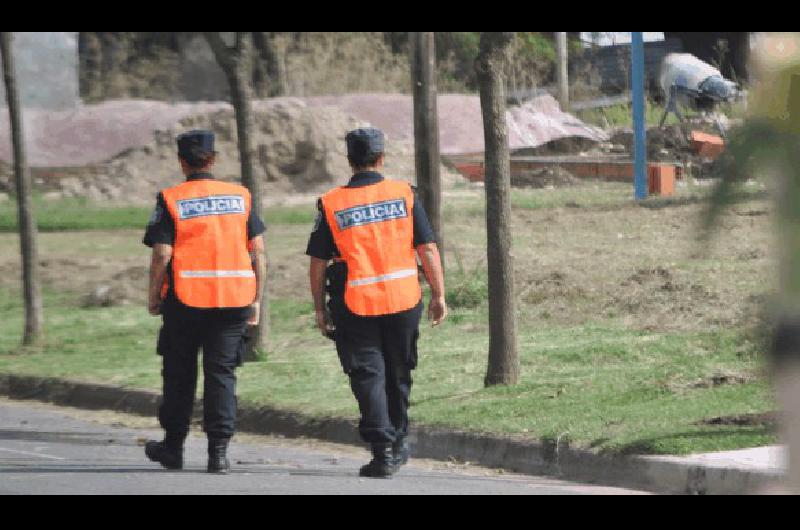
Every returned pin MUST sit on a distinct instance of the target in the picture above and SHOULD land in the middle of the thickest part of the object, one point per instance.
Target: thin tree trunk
(503, 365)
(26, 220)
(561, 71)
(426, 129)
(237, 63)
(271, 55)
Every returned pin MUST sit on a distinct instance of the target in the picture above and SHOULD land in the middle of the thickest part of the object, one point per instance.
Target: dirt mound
(125, 150)
(661, 298)
(568, 145)
(298, 150)
(663, 143)
(91, 134)
(532, 124)
(295, 151)
(554, 286)
(126, 287)
(548, 177)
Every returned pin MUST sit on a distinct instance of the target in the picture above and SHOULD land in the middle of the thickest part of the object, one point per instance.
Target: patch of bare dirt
(126, 287)
(554, 285)
(661, 298)
(548, 177)
(765, 419)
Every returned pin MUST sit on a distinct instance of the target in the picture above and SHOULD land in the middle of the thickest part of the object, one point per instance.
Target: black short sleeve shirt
(321, 244)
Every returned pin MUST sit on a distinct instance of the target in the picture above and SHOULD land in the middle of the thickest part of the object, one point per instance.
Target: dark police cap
(195, 145)
(363, 142)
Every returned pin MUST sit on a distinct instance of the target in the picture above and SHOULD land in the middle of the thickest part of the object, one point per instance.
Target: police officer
(206, 276)
(371, 229)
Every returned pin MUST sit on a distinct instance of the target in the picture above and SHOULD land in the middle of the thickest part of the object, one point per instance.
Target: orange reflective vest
(373, 229)
(211, 266)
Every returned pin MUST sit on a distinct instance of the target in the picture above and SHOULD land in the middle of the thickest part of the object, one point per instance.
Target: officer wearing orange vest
(373, 229)
(206, 277)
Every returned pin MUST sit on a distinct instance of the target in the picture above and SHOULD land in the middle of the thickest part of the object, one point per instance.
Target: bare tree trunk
(236, 63)
(271, 55)
(561, 71)
(26, 220)
(426, 129)
(503, 360)
(91, 63)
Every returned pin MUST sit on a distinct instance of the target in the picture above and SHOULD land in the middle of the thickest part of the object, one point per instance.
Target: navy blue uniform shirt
(321, 244)
(161, 229)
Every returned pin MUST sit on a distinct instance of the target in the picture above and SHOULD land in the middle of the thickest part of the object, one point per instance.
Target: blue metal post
(640, 145)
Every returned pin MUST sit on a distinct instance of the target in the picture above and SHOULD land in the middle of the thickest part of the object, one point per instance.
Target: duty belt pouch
(244, 343)
(335, 279)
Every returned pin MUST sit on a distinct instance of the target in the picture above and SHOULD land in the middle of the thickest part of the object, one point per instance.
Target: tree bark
(25, 214)
(271, 56)
(236, 63)
(562, 70)
(426, 130)
(503, 365)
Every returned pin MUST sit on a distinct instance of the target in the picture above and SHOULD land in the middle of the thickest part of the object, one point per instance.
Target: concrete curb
(656, 474)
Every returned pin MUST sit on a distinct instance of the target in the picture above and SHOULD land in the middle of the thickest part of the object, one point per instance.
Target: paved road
(54, 450)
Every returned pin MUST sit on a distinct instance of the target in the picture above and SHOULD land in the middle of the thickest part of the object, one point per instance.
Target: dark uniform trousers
(221, 336)
(378, 354)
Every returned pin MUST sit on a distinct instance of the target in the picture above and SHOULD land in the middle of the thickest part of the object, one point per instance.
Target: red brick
(707, 145)
(661, 179)
(472, 172)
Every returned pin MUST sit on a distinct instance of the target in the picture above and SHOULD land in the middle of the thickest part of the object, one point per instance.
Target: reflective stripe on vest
(397, 275)
(373, 229)
(211, 264)
(218, 274)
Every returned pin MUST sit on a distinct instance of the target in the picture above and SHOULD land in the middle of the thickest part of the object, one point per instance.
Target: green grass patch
(58, 215)
(76, 214)
(291, 215)
(595, 386)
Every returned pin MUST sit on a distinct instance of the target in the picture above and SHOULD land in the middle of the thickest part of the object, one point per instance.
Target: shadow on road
(75, 438)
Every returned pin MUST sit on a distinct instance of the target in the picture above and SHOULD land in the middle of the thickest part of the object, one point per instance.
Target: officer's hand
(255, 314)
(437, 310)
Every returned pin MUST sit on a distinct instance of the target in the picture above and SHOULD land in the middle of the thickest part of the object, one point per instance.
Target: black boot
(382, 464)
(401, 451)
(168, 453)
(217, 459)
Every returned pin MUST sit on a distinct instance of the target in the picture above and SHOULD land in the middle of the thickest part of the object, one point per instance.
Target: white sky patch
(607, 38)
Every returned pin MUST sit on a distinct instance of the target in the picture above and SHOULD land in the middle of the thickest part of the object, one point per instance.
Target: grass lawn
(82, 214)
(629, 335)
